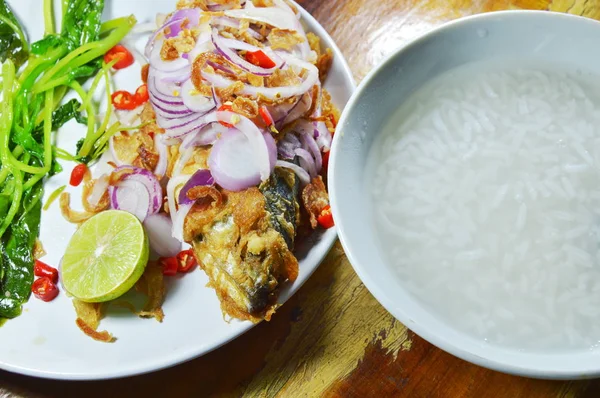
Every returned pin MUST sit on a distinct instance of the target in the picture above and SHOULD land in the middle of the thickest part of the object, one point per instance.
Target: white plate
(45, 342)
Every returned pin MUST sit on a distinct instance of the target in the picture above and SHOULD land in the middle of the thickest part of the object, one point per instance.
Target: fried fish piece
(244, 242)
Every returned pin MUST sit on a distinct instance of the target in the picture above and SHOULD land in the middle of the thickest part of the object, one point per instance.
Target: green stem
(91, 115)
(17, 152)
(17, 30)
(15, 203)
(48, 17)
(88, 52)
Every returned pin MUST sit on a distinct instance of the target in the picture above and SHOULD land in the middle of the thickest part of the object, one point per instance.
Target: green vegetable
(81, 23)
(13, 45)
(17, 254)
(32, 89)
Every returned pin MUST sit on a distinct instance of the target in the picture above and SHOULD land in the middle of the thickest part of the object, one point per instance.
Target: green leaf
(17, 254)
(67, 112)
(81, 23)
(46, 44)
(55, 168)
(11, 45)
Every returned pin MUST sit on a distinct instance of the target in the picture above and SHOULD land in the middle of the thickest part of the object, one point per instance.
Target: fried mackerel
(244, 242)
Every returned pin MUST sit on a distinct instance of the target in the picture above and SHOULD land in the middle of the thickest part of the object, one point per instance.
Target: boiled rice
(487, 202)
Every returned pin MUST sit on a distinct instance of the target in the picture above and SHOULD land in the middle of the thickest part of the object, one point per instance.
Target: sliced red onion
(287, 146)
(239, 45)
(225, 21)
(271, 92)
(166, 89)
(179, 221)
(159, 96)
(234, 164)
(188, 127)
(177, 78)
(171, 124)
(165, 66)
(199, 178)
(163, 156)
(159, 230)
(258, 144)
(151, 42)
(304, 46)
(189, 16)
(148, 180)
(206, 136)
(300, 172)
(323, 136)
(100, 186)
(235, 59)
(321, 133)
(255, 34)
(166, 111)
(194, 100)
(220, 67)
(131, 196)
(281, 111)
(215, 97)
(310, 143)
(276, 17)
(306, 161)
(299, 109)
(203, 45)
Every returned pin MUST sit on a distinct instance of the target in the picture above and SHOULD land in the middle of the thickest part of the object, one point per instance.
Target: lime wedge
(105, 257)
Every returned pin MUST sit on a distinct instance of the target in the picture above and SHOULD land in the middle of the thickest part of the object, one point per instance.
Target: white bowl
(546, 36)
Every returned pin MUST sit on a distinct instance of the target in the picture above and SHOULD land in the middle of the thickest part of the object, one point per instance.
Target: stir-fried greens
(35, 79)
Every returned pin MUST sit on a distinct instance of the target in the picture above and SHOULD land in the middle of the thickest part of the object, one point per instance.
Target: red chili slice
(77, 174)
(44, 289)
(42, 269)
(169, 265)
(259, 58)
(141, 95)
(325, 219)
(225, 107)
(125, 58)
(325, 157)
(186, 261)
(124, 100)
(266, 116)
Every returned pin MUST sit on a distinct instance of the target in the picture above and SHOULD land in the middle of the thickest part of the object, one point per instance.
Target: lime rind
(105, 257)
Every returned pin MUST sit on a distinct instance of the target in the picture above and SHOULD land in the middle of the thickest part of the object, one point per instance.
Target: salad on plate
(218, 159)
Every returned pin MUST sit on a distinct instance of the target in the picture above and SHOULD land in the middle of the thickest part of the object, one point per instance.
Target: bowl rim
(463, 351)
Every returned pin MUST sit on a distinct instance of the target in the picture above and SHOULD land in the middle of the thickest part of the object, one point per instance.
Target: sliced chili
(44, 270)
(259, 58)
(325, 219)
(44, 289)
(124, 100)
(170, 265)
(186, 261)
(125, 58)
(266, 115)
(225, 107)
(77, 174)
(141, 95)
(325, 157)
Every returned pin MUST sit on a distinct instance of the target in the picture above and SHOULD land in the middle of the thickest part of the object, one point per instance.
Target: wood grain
(332, 338)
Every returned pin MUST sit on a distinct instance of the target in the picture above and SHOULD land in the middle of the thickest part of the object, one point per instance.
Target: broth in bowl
(486, 201)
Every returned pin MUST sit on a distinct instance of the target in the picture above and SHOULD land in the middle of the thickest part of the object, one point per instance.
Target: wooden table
(332, 338)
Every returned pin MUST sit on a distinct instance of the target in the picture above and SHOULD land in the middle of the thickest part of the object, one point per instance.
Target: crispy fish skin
(244, 243)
